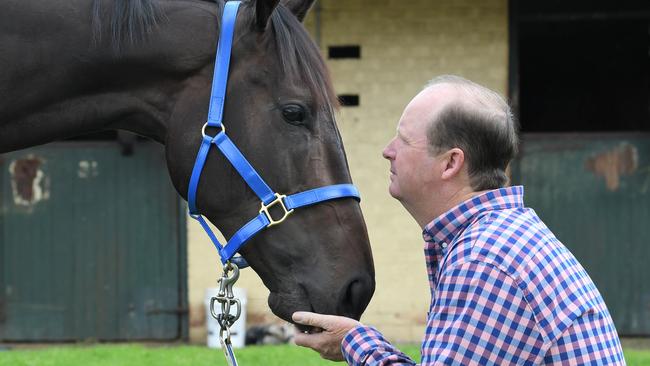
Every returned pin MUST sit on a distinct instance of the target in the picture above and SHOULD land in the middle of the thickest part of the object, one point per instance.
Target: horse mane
(129, 21)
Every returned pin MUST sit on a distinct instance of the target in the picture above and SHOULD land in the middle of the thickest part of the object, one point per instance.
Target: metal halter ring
(223, 129)
(213, 312)
(265, 208)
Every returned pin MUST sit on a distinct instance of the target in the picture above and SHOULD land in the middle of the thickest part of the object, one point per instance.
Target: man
(504, 289)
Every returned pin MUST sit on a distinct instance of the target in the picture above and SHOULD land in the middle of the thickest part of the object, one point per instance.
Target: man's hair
(481, 124)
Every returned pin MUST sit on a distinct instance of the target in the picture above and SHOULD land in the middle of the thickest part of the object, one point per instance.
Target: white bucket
(237, 331)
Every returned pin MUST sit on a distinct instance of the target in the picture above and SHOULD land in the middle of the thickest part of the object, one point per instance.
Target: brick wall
(403, 45)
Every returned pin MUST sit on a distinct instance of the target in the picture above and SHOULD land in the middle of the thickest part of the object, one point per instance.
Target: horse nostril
(355, 298)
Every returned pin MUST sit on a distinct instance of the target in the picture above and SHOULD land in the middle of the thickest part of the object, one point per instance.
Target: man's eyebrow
(403, 137)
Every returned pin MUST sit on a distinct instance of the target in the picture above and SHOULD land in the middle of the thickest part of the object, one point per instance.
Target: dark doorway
(581, 66)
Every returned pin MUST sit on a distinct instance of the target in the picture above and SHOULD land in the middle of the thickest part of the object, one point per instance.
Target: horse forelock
(300, 57)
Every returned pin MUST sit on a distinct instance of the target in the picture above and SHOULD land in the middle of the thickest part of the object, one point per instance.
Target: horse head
(279, 111)
(146, 66)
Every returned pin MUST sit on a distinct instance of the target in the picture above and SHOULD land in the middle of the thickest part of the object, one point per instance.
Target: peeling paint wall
(29, 184)
(614, 163)
(88, 169)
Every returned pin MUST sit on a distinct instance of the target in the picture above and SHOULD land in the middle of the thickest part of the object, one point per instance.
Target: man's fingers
(307, 340)
(311, 319)
(322, 343)
(327, 342)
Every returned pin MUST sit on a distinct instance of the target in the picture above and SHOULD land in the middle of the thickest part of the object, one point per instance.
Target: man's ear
(453, 162)
(299, 8)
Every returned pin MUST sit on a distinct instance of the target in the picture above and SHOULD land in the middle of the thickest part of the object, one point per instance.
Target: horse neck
(58, 81)
(45, 120)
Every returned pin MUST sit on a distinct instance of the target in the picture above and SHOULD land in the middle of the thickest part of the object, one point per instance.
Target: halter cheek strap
(267, 197)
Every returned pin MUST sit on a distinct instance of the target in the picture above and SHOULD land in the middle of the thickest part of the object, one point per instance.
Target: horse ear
(263, 11)
(299, 8)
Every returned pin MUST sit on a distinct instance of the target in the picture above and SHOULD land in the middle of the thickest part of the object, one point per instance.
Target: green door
(593, 192)
(92, 245)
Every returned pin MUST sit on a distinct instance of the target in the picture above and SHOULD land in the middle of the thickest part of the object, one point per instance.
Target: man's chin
(393, 192)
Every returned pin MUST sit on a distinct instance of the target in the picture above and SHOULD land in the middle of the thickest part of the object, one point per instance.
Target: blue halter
(239, 162)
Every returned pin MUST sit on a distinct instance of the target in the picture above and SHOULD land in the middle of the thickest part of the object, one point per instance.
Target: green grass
(139, 355)
(637, 357)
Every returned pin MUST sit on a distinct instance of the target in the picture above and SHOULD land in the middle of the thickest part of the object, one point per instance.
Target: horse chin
(283, 305)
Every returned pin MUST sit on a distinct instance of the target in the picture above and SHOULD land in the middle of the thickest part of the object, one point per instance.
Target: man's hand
(327, 342)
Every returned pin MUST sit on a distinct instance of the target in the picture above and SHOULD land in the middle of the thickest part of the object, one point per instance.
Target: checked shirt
(504, 291)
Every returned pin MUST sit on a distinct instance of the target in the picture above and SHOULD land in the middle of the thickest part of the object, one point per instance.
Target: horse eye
(294, 114)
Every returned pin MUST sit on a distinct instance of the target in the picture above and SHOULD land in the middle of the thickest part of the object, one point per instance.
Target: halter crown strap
(217, 95)
(239, 162)
(222, 64)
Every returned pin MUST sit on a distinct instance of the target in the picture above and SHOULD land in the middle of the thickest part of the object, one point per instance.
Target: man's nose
(389, 152)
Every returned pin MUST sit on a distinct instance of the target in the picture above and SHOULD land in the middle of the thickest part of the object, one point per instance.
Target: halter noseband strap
(231, 152)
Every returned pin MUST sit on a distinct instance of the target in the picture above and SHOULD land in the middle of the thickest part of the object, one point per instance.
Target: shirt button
(443, 245)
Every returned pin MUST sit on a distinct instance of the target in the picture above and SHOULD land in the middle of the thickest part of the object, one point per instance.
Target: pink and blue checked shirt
(504, 291)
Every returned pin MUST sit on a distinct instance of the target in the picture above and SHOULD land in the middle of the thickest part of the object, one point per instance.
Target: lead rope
(226, 319)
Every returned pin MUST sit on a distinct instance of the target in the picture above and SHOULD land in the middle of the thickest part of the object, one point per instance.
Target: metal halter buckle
(226, 298)
(265, 208)
(223, 129)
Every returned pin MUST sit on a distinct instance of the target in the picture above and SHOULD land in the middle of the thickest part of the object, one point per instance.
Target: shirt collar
(444, 229)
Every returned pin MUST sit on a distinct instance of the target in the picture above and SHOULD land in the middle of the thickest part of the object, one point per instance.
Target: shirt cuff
(359, 342)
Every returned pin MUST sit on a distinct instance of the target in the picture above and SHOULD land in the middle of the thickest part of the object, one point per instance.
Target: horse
(72, 67)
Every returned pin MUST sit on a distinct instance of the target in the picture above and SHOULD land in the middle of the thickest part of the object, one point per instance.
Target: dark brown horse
(70, 67)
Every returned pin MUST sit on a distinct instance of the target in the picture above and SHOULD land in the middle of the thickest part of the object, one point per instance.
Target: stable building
(108, 259)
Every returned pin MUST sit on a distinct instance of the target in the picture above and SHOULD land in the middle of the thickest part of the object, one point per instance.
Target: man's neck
(439, 203)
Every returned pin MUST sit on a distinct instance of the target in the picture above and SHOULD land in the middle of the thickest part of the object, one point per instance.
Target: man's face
(412, 166)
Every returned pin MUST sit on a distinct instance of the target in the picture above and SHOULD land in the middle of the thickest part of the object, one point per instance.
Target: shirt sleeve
(480, 316)
(364, 345)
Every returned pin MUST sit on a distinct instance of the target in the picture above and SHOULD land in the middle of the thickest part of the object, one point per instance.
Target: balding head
(478, 121)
